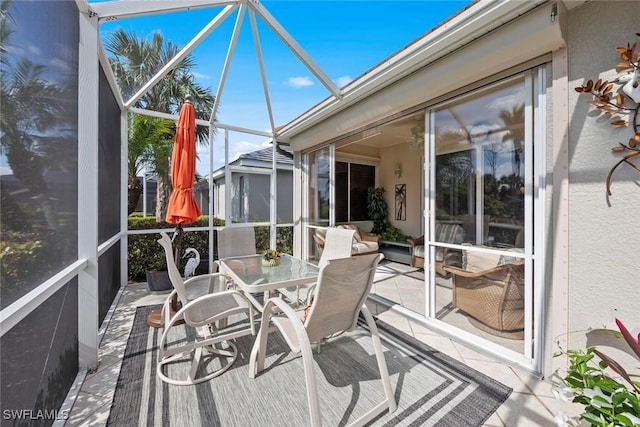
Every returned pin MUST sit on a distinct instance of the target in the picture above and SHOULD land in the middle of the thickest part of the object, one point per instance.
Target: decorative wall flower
(620, 99)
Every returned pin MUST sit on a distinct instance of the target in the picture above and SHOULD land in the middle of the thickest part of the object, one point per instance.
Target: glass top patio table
(251, 276)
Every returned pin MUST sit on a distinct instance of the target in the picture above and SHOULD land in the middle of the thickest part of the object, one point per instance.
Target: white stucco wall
(409, 161)
(604, 278)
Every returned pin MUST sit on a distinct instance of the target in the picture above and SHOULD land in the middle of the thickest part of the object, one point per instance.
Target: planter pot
(158, 281)
(270, 262)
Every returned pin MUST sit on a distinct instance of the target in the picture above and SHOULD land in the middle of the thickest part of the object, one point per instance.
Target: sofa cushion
(364, 247)
(418, 251)
(508, 259)
(475, 261)
(449, 233)
(356, 235)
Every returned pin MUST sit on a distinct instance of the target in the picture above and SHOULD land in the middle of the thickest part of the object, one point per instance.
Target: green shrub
(394, 234)
(29, 257)
(284, 239)
(144, 252)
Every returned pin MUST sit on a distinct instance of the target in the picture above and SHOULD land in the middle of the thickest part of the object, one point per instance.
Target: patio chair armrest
(466, 273)
(210, 279)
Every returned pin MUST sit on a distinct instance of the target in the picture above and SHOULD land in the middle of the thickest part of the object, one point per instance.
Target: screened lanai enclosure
(64, 175)
(64, 205)
(473, 131)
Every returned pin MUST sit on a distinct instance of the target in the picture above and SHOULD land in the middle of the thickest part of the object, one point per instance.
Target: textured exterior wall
(604, 277)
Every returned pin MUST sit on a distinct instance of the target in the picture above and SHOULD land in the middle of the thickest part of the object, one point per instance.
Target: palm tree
(514, 122)
(149, 138)
(135, 61)
(6, 28)
(35, 120)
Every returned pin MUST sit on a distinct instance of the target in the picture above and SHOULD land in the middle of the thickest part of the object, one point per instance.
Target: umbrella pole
(178, 244)
(176, 258)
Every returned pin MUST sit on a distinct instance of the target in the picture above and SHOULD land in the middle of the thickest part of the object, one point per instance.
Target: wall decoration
(401, 202)
(619, 101)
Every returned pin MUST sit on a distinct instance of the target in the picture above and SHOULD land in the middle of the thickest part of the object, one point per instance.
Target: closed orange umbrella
(183, 208)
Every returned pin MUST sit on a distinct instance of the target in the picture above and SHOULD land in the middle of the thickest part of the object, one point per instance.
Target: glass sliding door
(318, 195)
(353, 180)
(478, 223)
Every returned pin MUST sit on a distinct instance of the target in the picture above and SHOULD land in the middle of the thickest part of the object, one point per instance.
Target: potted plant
(271, 258)
(609, 394)
(378, 210)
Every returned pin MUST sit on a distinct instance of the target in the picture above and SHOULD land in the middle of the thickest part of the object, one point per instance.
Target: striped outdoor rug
(431, 388)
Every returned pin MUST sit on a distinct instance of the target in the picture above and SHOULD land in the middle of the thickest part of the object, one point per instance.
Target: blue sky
(345, 38)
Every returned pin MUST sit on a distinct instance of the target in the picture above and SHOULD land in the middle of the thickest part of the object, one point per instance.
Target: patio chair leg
(256, 359)
(382, 363)
(310, 379)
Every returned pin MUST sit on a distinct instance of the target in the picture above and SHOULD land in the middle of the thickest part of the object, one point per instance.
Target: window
(352, 183)
(480, 164)
(241, 199)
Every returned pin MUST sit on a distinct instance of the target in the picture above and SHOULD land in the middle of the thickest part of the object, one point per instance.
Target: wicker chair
(446, 233)
(493, 298)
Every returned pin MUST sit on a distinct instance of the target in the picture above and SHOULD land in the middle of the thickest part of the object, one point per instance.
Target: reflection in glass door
(318, 190)
(476, 236)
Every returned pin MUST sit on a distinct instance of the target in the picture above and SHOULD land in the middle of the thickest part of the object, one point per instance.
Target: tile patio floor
(530, 404)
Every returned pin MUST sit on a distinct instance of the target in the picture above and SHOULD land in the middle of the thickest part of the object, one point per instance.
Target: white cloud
(343, 81)
(60, 64)
(201, 76)
(298, 82)
(508, 101)
(236, 149)
(34, 50)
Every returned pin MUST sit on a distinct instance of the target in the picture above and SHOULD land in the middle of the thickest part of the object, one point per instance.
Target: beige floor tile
(442, 344)
(422, 330)
(493, 421)
(470, 354)
(554, 406)
(500, 372)
(90, 410)
(396, 320)
(104, 380)
(537, 386)
(525, 410)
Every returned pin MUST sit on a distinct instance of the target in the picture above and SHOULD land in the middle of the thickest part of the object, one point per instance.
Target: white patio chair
(342, 288)
(208, 315)
(337, 244)
(235, 241)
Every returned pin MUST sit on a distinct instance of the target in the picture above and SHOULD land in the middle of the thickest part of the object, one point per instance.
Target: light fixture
(398, 171)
